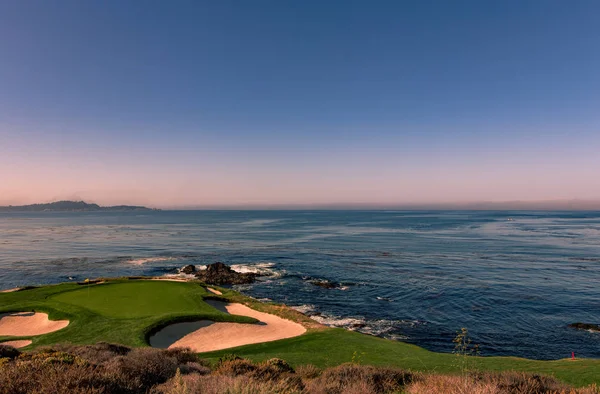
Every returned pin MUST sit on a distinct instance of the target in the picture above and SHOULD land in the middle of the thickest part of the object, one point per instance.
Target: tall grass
(107, 368)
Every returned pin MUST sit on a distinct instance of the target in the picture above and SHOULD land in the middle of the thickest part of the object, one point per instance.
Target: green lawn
(119, 311)
(335, 346)
(123, 311)
(138, 299)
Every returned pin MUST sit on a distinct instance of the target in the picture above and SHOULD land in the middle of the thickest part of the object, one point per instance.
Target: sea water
(515, 280)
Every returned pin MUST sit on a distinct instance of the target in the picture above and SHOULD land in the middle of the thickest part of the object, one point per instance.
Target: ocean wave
(390, 329)
(260, 222)
(146, 260)
(305, 309)
(263, 268)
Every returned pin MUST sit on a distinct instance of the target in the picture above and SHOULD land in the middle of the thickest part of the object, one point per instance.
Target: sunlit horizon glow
(207, 104)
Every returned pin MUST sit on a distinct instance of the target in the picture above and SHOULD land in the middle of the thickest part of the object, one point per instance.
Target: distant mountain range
(71, 206)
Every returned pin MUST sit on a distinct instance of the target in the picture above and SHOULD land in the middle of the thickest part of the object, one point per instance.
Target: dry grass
(101, 368)
(107, 368)
(493, 383)
(352, 378)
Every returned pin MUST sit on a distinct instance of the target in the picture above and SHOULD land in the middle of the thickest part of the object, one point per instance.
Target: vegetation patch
(112, 368)
(98, 313)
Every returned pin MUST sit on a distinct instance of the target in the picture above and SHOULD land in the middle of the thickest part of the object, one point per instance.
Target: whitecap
(146, 260)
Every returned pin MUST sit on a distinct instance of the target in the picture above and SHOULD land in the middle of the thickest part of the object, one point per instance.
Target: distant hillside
(70, 206)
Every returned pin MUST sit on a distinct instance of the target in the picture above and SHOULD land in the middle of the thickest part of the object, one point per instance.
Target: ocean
(515, 280)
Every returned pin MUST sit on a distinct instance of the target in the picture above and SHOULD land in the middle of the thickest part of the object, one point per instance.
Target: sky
(216, 103)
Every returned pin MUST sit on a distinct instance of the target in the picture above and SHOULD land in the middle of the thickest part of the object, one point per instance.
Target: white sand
(172, 279)
(215, 291)
(17, 344)
(218, 336)
(10, 290)
(29, 323)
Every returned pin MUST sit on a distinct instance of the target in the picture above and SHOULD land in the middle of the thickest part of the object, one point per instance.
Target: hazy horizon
(548, 205)
(294, 104)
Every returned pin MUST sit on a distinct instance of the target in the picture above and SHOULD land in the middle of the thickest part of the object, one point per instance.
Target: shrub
(38, 376)
(368, 379)
(7, 351)
(228, 357)
(219, 384)
(308, 371)
(493, 383)
(279, 364)
(97, 354)
(235, 367)
(143, 368)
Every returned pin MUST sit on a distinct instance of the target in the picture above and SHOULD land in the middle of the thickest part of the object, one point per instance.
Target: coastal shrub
(194, 367)
(37, 376)
(273, 370)
(235, 367)
(279, 364)
(7, 351)
(95, 354)
(52, 356)
(105, 368)
(465, 351)
(308, 371)
(144, 367)
(184, 355)
(228, 357)
(493, 383)
(219, 384)
(347, 377)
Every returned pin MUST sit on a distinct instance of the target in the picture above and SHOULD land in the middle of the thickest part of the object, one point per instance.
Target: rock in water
(221, 274)
(324, 283)
(188, 269)
(585, 326)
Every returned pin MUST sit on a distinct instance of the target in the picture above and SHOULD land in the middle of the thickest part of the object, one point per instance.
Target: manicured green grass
(123, 311)
(332, 347)
(119, 311)
(138, 299)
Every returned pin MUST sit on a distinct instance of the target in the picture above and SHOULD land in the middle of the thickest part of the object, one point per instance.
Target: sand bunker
(171, 279)
(17, 344)
(10, 290)
(29, 323)
(205, 336)
(215, 291)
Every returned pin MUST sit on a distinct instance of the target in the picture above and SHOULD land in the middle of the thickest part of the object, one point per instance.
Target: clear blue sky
(208, 102)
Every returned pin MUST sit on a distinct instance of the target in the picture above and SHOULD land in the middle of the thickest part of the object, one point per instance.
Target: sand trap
(172, 279)
(215, 291)
(205, 336)
(10, 290)
(17, 344)
(29, 323)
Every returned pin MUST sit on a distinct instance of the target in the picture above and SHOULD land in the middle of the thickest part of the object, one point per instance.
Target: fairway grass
(127, 311)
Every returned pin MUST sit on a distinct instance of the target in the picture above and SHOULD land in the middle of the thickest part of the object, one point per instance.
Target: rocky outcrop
(324, 283)
(222, 274)
(585, 326)
(188, 269)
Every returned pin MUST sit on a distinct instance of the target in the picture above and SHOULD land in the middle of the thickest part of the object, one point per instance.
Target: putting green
(139, 299)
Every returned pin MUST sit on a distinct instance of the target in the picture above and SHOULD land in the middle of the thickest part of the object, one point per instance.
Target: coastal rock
(324, 284)
(188, 269)
(222, 274)
(585, 326)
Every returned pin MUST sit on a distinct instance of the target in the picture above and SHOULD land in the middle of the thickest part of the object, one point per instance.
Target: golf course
(133, 311)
